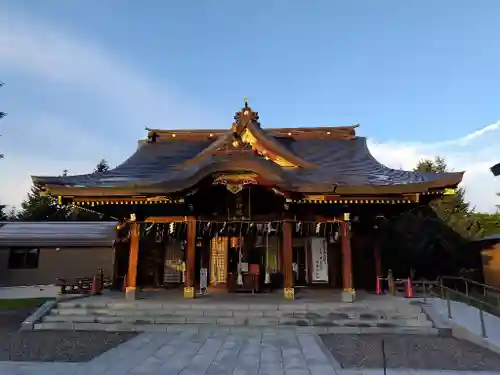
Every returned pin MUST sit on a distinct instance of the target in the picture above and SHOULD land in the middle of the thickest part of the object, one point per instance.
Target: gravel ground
(49, 346)
(410, 351)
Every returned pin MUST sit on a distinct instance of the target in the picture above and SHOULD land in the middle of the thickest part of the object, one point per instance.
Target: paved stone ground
(189, 352)
(60, 346)
(410, 351)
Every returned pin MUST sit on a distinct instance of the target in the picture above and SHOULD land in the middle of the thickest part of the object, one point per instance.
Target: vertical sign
(319, 257)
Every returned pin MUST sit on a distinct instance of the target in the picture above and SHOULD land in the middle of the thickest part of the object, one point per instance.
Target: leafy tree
(489, 224)
(2, 115)
(429, 238)
(102, 166)
(451, 209)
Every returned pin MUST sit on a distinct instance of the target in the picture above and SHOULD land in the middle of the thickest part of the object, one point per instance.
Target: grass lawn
(20, 303)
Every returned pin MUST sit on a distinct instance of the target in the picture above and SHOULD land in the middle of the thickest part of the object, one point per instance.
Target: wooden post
(287, 261)
(131, 286)
(378, 259)
(348, 293)
(190, 258)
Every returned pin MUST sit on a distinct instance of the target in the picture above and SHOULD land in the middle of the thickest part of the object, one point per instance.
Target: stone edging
(29, 323)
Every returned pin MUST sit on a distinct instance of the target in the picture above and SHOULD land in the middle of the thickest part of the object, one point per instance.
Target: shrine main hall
(249, 209)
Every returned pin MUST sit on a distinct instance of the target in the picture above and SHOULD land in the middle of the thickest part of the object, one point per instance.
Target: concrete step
(129, 327)
(405, 309)
(236, 321)
(330, 315)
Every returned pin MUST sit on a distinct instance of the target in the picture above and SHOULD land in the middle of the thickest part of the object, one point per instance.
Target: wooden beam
(168, 219)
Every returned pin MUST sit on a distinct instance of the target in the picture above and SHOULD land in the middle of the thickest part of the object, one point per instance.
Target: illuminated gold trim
(350, 201)
(248, 137)
(144, 201)
(449, 191)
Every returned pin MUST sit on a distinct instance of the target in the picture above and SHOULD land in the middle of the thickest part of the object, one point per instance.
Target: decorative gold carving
(289, 293)
(347, 216)
(218, 260)
(188, 292)
(449, 192)
(315, 197)
(235, 189)
(238, 178)
(158, 199)
(236, 182)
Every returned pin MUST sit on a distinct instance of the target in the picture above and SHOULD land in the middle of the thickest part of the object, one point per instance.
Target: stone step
(330, 315)
(332, 307)
(129, 327)
(235, 321)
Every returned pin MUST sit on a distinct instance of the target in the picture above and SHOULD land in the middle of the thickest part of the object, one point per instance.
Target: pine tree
(39, 207)
(3, 215)
(102, 166)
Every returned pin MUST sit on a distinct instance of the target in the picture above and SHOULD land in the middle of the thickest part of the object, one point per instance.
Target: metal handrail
(445, 292)
(468, 282)
(488, 292)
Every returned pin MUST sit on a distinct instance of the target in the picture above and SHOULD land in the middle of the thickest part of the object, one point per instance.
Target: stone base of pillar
(131, 293)
(188, 292)
(348, 295)
(289, 293)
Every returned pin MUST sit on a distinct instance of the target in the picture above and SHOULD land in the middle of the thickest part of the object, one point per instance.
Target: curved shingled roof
(309, 160)
(346, 164)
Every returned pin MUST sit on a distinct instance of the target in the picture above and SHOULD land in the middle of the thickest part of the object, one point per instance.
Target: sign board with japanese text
(319, 257)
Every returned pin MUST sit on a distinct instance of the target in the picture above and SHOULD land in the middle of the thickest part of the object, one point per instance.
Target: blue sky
(83, 78)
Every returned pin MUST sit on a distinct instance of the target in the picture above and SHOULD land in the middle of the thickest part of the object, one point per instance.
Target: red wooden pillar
(287, 258)
(190, 258)
(131, 282)
(348, 293)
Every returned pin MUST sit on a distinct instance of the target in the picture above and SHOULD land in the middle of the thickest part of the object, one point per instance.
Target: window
(20, 258)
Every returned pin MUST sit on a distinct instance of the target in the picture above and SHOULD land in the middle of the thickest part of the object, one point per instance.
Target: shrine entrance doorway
(299, 259)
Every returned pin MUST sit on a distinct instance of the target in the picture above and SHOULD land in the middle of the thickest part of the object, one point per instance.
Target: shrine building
(253, 209)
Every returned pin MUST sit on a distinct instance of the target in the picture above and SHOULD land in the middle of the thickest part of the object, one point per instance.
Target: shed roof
(57, 234)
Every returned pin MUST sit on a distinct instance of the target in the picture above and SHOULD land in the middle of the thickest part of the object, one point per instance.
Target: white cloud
(474, 153)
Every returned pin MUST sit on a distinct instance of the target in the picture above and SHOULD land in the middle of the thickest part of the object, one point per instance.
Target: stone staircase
(322, 317)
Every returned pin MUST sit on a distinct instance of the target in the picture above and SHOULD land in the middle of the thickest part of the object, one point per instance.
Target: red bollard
(379, 286)
(409, 289)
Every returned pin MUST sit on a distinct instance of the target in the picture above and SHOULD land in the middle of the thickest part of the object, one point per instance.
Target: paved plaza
(189, 352)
